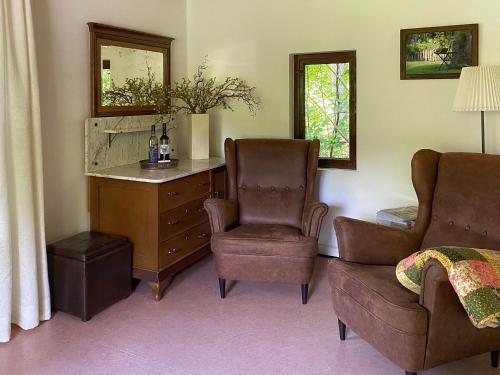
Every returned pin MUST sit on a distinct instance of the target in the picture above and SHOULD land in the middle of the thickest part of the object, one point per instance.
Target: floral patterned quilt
(473, 273)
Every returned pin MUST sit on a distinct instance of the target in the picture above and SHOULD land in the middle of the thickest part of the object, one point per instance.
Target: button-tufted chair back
(271, 179)
(466, 202)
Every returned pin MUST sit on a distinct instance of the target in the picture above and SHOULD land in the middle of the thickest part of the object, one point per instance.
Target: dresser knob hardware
(173, 222)
(203, 235)
(172, 251)
(172, 193)
(216, 194)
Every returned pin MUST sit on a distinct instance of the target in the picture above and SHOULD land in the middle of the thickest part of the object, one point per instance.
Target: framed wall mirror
(119, 55)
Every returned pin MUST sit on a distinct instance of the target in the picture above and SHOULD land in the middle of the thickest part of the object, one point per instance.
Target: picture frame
(438, 52)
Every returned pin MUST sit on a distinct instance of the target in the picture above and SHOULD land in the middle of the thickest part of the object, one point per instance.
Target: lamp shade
(478, 89)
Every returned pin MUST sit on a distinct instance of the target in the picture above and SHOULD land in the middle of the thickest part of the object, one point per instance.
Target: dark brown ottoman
(89, 272)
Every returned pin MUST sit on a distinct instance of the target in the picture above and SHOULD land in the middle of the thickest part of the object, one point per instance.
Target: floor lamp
(478, 90)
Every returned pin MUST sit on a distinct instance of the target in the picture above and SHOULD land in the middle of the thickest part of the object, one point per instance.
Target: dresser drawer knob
(172, 193)
(203, 235)
(173, 222)
(172, 251)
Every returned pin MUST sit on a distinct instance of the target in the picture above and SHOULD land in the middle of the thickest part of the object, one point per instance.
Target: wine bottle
(164, 146)
(153, 146)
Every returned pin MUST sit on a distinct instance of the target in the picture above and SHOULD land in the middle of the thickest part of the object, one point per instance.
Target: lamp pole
(482, 132)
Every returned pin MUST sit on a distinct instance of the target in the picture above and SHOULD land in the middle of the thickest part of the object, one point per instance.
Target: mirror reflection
(121, 66)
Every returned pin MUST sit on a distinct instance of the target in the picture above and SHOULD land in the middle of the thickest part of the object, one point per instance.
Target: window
(325, 105)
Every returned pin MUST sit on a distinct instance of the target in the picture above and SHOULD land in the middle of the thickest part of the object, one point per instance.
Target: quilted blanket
(473, 273)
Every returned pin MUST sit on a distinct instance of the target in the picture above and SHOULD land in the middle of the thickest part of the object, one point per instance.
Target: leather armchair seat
(268, 228)
(377, 290)
(254, 252)
(459, 205)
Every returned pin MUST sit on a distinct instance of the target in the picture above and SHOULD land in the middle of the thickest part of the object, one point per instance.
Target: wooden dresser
(166, 221)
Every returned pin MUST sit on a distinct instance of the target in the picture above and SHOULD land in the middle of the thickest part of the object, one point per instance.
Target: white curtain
(24, 290)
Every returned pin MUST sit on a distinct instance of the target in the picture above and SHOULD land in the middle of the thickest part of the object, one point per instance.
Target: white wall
(253, 39)
(63, 62)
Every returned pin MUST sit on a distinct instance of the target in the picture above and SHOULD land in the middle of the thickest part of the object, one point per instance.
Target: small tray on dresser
(145, 164)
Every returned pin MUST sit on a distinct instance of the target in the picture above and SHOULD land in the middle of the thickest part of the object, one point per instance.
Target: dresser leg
(158, 288)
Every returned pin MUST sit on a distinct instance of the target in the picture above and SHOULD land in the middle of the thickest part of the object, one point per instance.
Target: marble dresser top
(133, 172)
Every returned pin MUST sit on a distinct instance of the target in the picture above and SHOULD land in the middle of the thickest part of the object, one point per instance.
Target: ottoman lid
(86, 245)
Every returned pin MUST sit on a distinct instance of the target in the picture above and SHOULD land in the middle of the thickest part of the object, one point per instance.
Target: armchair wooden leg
(494, 359)
(222, 288)
(305, 289)
(342, 328)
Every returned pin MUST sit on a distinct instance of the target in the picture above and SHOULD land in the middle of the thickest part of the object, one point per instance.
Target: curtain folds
(24, 290)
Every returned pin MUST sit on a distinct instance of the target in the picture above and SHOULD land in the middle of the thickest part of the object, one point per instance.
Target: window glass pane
(326, 102)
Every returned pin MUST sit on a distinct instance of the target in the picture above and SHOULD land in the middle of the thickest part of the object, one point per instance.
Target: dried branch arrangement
(203, 93)
(189, 96)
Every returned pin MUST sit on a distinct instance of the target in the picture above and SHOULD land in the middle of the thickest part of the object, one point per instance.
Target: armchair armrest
(434, 282)
(448, 323)
(223, 214)
(312, 219)
(369, 243)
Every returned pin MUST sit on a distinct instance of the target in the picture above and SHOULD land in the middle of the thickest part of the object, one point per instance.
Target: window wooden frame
(299, 63)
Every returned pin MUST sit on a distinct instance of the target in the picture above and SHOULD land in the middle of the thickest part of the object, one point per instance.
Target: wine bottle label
(164, 149)
(153, 153)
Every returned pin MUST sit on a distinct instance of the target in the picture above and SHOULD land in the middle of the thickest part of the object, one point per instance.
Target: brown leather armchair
(459, 204)
(268, 228)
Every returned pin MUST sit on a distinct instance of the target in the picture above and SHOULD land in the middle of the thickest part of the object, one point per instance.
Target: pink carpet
(258, 329)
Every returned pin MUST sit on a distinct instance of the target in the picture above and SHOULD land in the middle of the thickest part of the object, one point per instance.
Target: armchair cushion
(368, 243)
(265, 240)
(377, 290)
(223, 214)
(272, 180)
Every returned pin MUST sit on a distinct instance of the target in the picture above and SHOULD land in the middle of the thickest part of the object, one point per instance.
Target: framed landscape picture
(438, 52)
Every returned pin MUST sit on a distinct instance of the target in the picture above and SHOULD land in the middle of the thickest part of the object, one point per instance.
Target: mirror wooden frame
(110, 35)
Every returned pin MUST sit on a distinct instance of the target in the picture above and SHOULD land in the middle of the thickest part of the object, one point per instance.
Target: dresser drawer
(179, 219)
(183, 190)
(184, 244)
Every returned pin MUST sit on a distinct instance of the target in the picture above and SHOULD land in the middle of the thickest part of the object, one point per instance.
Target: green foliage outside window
(327, 108)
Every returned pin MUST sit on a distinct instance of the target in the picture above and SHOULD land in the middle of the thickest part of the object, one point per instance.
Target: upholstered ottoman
(89, 272)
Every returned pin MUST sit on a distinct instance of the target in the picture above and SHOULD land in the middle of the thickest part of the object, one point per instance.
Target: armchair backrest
(271, 179)
(465, 204)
